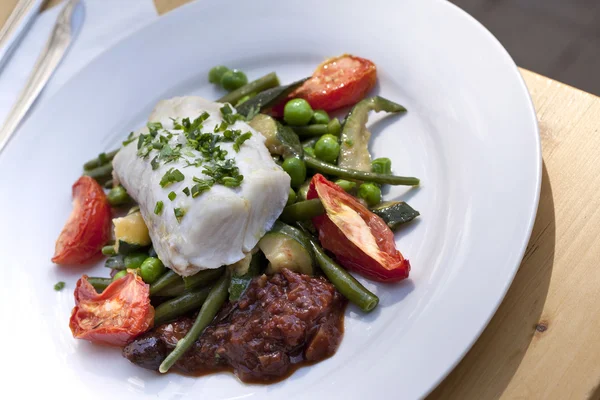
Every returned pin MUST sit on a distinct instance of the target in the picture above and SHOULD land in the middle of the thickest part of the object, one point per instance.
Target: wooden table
(544, 341)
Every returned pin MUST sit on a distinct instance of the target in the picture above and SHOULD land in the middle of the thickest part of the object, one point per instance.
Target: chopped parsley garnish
(253, 112)
(240, 140)
(154, 127)
(171, 176)
(129, 139)
(59, 286)
(229, 116)
(179, 213)
(155, 163)
(201, 186)
(194, 146)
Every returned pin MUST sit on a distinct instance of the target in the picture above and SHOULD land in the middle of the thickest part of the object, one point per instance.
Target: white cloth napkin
(104, 23)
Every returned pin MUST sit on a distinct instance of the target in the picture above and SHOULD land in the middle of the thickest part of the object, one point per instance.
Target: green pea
(382, 165)
(320, 117)
(118, 196)
(119, 275)
(297, 112)
(327, 148)
(310, 151)
(371, 193)
(152, 269)
(334, 127)
(346, 185)
(233, 79)
(291, 197)
(134, 260)
(296, 169)
(216, 73)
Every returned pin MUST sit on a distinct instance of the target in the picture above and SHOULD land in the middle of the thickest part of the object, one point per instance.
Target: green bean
(345, 283)
(118, 196)
(310, 130)
(215, 300)
(103, 158)
(115, 262)
(203, 277)
(353, 174)
(109, 250)
(302, 211)
(309, 150)
(109, 184)
(266, 82)
(99, 283)
(100, 174)
(168, 279)
(134, 260)
(310, 142)
(180, 305)
(176, 289)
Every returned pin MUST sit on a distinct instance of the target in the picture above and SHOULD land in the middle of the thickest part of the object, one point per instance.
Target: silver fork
(46, 64)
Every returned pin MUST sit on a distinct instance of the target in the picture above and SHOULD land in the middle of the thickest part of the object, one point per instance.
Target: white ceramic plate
(470, 135)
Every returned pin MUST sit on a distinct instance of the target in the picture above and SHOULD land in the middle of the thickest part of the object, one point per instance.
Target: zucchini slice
(395, 213)
(280, 140)
(241, 277)
(285, 247)
(131, 234)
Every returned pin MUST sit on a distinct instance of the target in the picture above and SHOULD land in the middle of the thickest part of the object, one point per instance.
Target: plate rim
(173, 15)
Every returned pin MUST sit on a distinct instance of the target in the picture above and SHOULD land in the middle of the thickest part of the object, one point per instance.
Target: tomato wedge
(337, 82)
(114, 317)
(360, 240)
(88, 226)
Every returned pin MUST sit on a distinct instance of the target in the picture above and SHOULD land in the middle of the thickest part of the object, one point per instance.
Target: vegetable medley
(333, 218)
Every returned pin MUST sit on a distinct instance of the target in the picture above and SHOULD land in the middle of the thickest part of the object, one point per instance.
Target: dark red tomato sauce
(281, 323)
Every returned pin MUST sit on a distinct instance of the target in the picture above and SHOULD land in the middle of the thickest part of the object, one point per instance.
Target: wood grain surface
(544, 341)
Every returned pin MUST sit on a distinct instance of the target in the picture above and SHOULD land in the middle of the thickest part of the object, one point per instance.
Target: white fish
(221, 225)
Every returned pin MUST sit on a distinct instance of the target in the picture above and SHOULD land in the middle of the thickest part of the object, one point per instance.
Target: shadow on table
(489, 366)
(595, 395)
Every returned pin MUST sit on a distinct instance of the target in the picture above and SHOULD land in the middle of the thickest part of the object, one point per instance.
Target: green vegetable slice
(395, 213)
(354, 151)
(239, 283)
(267, 99)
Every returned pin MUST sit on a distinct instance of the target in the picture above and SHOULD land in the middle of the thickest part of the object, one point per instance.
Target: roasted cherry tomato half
(360, 240)
(88, 226)
(336, 83)
(115, 316)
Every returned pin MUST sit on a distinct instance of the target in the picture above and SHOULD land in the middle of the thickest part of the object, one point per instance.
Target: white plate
(470, 135)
